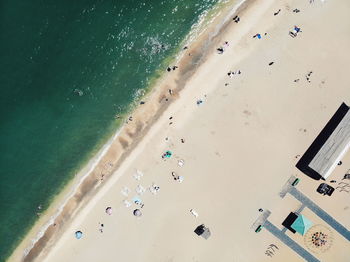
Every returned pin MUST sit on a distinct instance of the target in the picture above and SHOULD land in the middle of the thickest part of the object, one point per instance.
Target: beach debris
(125, 191)
(138, 175)
(78, 234)
(142, 102)
(296, 80)
(174, 67)
(296, 10)
(137, 213)
(181, 162)
(154, 189)
(167, 154)
(276, 13)
(236, 19)
(140, 190)
(126, 203)
(182, 140)
(193, 212)
(226, 44)
(294, 33)
(257, 36)
(109, 211)
(271, 63)
(202, 231)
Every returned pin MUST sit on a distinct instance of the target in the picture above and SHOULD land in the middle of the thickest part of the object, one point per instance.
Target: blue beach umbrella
(168, 154)
(301, 225)
(78, 234)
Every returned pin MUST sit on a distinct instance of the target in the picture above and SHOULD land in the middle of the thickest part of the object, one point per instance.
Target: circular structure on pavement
(318, 239)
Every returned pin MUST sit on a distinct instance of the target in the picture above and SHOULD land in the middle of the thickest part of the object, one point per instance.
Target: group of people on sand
(232, 73)
(171, 68)
(222, 48)
(319, 238)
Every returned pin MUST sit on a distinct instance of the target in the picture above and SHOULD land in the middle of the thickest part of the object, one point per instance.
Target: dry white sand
(240, 147)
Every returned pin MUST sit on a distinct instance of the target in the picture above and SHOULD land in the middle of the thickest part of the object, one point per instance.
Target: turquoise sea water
(67, 68)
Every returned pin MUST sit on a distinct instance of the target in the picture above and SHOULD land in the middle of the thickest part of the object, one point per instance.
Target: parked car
(325, 189)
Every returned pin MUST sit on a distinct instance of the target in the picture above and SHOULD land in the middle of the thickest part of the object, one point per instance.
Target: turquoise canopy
(301, 225)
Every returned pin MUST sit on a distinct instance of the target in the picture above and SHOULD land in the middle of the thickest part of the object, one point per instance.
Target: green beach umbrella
(301, 224)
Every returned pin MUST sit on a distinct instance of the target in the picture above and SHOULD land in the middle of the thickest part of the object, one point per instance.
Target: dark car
(325, 189)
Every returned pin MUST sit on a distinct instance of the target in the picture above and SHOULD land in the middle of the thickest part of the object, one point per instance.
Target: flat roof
(329, 147)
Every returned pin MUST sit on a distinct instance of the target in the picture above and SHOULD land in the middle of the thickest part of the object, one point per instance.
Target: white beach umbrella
(109, 210)
(137, 213)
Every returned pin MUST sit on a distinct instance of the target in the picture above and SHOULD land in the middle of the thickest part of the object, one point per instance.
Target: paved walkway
(261, 219)
(320, 212)
(289, 242)
(287, 186)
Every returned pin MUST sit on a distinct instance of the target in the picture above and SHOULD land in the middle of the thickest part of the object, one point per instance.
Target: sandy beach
(234, 141)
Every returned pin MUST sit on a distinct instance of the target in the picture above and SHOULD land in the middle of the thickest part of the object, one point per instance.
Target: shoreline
(87, 182)
(240, 147)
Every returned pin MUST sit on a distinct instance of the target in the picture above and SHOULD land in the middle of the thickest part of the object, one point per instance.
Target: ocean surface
(67, 68)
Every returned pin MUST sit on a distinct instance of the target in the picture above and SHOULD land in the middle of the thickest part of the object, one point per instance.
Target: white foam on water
(152, 42)
(199, 27)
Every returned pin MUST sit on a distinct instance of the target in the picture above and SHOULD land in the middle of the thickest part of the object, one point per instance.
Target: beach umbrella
(109, 210)
(137, 213)
(181, 162)
(301, 224)
(78, 234)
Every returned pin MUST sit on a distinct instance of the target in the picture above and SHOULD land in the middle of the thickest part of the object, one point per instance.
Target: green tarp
(301, 225)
